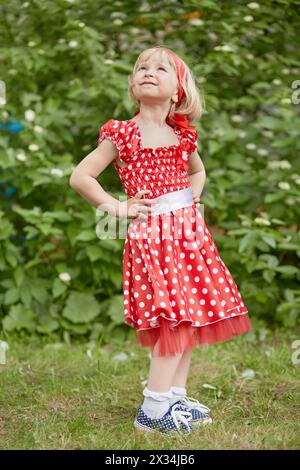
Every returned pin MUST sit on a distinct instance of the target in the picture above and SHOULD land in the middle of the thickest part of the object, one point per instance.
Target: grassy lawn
(85, 396)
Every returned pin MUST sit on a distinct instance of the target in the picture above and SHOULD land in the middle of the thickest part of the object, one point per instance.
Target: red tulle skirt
(170, 340)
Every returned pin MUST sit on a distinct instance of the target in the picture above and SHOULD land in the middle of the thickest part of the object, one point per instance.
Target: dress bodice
(160, 169)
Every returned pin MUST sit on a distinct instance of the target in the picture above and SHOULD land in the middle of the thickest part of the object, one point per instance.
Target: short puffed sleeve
(110, 131)
(189, 145)
(189, 139)
(117, 132)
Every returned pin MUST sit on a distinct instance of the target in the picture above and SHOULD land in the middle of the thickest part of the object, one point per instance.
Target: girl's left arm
(196, 175)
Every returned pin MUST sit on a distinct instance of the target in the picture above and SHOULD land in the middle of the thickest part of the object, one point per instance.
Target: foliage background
(65, 66)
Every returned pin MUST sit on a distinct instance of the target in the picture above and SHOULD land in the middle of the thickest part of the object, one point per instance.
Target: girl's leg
(181, 372)
(162, 370)
(158, 392)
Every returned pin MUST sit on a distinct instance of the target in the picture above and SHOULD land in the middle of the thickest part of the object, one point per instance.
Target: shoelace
(193, 403)
(179, 415)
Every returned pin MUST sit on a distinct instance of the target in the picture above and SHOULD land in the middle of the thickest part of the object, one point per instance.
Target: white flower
(81, 24)
(136, 31)
(31, 44)
(262, 152)
(269, 134)
(117, 22)
(33, 147)
(236, 118)
(246, 223)
(224, 48)
(284, 185)
(290, 201)
(21, 156)
(248, 18)
(253, 5)
(251, 146)
(108, 61)
(212, 35)
(276, 81)
(29, 115)
(196, 22)
(285, 71)
(249, 56)
(286, 101)
(297, 181)
(262, 221)
(38, 129)
(285, 165)
(73, 43)
(56, 172)
(242, 134)
(65, 277)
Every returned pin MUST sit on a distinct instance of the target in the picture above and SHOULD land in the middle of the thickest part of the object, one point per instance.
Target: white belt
(172, 201)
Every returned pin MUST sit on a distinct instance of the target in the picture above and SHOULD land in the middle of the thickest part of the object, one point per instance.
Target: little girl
(177, 291)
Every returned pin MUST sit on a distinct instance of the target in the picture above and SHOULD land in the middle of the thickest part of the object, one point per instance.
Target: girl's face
(155, 80)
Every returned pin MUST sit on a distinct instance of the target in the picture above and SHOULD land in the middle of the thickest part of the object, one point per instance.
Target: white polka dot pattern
(181, 282)
(161, 171)
(172, 271)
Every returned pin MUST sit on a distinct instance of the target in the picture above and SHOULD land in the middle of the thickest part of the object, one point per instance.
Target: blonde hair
(192, 105)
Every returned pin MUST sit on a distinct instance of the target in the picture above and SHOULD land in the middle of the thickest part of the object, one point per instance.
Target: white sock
(156, 404)
(177, 393)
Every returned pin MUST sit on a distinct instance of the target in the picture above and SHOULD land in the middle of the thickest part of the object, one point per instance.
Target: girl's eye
(159, 67)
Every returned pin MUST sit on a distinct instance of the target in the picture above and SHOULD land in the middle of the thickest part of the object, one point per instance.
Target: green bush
(65, 67)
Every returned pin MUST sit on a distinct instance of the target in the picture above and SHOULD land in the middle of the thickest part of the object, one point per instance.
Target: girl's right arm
(83, 178)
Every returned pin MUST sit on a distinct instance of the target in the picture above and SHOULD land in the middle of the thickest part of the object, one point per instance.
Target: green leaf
(86, 236)
(81, 307)
(116, 309)
(290, 271)
(11, 296)
(19, 318)
(269, 241)
(58, 288)
(247, 242)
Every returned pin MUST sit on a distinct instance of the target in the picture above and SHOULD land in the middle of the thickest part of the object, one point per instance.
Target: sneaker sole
(172, 433)
(140, 427)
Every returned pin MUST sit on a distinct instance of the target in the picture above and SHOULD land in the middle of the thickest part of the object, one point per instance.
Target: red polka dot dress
(176, 288)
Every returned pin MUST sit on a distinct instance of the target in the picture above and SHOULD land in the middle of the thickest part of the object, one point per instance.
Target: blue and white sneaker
(177, 419)
(198, 411)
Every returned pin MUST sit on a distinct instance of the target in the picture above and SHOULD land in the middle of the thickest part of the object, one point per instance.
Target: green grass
(59, 396)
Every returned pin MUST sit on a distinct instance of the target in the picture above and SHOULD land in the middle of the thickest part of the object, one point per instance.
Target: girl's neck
(150, 121)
